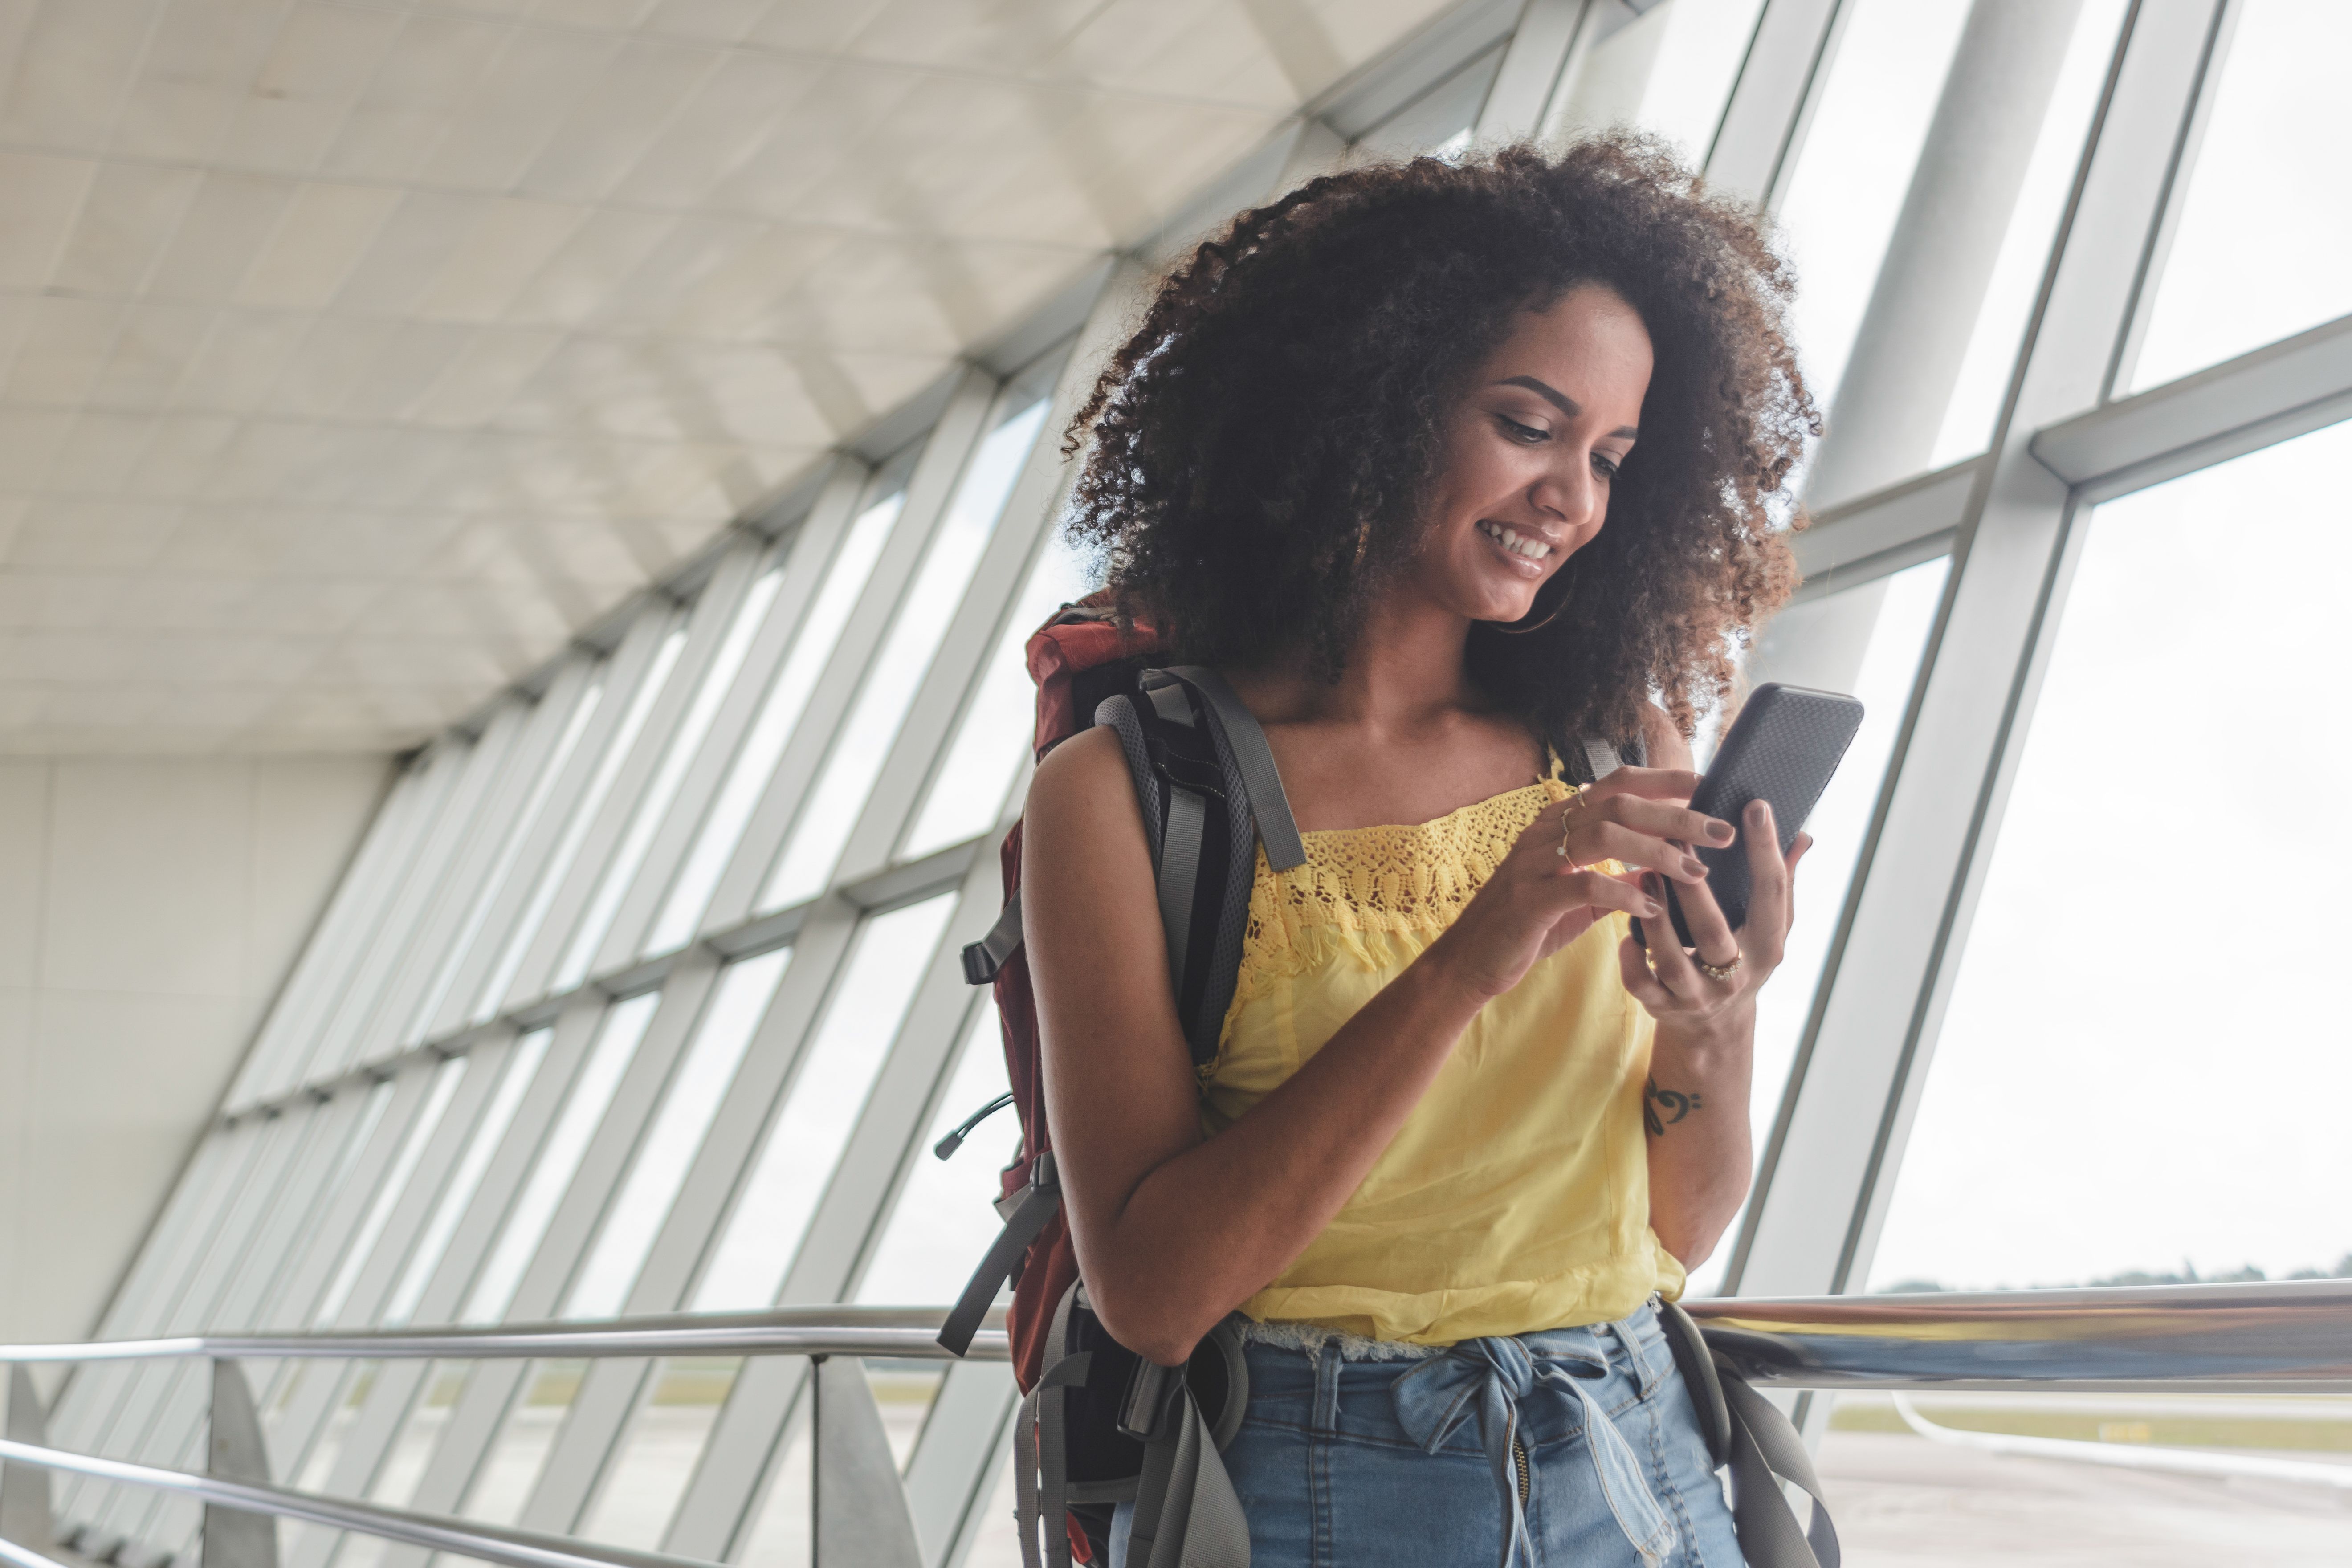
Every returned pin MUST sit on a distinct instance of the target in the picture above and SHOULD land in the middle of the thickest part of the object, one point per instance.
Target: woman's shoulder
(1081, 794)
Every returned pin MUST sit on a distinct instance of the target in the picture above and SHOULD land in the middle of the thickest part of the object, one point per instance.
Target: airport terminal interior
(518, 525)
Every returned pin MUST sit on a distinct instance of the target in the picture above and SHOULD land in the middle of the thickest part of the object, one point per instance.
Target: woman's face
(1530, 452)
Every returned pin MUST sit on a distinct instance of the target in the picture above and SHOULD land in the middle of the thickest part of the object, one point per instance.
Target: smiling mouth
(1516, 543)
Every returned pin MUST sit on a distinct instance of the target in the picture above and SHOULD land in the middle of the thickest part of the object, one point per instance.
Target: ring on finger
(1718, 971)
(1568, 817)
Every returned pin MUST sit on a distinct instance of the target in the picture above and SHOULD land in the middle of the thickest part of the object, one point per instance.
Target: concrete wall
(150, 909)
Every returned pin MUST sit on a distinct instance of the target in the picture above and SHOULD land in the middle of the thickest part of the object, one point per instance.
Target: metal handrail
(492, 1544)
(899, 1332)
(2265, 1337)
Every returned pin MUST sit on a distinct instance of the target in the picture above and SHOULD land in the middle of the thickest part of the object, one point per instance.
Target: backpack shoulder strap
(1269, 805)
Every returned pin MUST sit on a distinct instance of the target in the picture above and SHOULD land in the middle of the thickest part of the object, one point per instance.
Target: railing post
(25, 1491)
(233, 1539)
(861, 1519)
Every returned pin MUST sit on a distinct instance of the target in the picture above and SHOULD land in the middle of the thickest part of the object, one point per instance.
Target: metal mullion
(628, 665)
(560, 702)
(711, 1509)
(323, 1030)
(472, 845)
(1873, 535)
(958, 666)
(699, 1216)
(538, 726)
(707, 625)
(178, 1423)
(804, 559)
(305, 1408)
(576, 1219)
(2273, 394)
(475, 1420)
(741, 570)
(1024, 532)
(323, 954)
(1828, 1168)
(372, 1000)
(954, 1465)
(81, 1407)
(740, 1454)
(145, 1406)
(417, 794)
(930, 489)
(380, 1419)
(1763, 127)
(714, 614)
(466, 765)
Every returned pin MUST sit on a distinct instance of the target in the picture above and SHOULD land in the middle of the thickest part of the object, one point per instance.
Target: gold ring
(1718, 970)
(1568, 822)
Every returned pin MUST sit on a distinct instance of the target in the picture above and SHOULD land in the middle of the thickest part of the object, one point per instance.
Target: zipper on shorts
(1519, 1458)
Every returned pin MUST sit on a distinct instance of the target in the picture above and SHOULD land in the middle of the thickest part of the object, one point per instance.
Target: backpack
(1100, 1425)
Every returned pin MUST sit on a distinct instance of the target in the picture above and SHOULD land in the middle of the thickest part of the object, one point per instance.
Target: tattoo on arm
(1676, 1103)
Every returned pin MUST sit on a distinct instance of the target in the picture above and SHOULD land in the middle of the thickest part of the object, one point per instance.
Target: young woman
(1442, 467)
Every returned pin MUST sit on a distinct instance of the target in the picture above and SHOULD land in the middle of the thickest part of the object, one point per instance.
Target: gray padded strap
(1766, 1451)
(1601, 757)
(1179, 875)
(1186, 1514)
(983, 958)
(1276, 828)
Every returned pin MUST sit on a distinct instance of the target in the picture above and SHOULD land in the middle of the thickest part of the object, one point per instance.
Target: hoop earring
(1520, 629)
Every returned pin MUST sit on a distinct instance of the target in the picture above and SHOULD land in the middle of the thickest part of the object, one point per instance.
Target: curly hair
(1265, 446)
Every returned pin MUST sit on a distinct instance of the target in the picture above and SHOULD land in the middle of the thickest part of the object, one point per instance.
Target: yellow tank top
(1515, 1196)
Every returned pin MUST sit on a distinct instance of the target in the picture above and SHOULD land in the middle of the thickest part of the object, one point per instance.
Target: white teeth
(1533, 549)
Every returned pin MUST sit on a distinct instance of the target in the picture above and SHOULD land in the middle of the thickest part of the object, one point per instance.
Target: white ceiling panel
(356, 353)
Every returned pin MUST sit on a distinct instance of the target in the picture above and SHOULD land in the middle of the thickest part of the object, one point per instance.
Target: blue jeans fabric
(1414, 1464)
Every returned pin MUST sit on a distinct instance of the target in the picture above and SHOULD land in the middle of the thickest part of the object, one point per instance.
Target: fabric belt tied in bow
(1491, 1378)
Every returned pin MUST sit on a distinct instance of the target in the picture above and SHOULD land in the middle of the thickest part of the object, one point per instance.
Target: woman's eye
(1528, 434)
(1604, 466)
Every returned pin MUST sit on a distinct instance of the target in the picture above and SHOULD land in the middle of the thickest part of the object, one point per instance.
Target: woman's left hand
(1674, 983)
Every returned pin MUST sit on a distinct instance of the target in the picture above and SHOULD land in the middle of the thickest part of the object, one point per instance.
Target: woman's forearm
(1209, 1228)
(1695, 1112)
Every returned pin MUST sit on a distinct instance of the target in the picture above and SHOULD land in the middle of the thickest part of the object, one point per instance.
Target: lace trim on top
(1377, 896)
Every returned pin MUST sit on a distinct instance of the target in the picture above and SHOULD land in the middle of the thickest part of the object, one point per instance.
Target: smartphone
(1783, 748)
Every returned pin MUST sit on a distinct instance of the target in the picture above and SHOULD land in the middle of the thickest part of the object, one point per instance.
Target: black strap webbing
(1021, 1228)
(1179, 875)
(983, 958)
(1276, 828)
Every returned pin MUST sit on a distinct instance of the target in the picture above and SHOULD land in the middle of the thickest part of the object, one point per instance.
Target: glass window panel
(782, 1537)
(1839, 210)
(503, 1484)
(583, 708)
(1668, 71)
(446, 1079)
(1892, 633)
(803, 1143)
(583, 816)
(943, 1221)
(738, 1004)
(2024, 256)
(657, 1457)
(755, 760)
(2122, 1077)
(898, 671)
(2264, 226)
(653, 808)
(999, 726)
(558, 1158)
(523, 1067)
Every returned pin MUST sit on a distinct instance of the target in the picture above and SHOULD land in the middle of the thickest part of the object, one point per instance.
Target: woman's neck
(1405, 669)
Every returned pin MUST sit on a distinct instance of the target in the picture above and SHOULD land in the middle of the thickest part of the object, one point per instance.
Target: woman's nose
(1568, 494)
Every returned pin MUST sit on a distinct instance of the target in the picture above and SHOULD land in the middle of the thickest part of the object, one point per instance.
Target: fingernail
(1719, 831)
(1757, 811)
(1694, 865)
(1650, 911)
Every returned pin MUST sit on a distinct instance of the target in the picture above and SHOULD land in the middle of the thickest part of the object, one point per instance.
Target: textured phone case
(1784, 748)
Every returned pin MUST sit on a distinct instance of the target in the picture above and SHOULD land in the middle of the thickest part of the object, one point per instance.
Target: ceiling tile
(40, 197)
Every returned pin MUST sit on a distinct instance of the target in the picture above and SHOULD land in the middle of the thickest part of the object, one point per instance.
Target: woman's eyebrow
(1562, 401)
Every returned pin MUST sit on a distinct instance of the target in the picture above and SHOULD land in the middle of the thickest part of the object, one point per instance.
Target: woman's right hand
(1538, 901)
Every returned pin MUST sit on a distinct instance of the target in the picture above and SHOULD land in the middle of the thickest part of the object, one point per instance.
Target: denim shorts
(1489, 1453)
